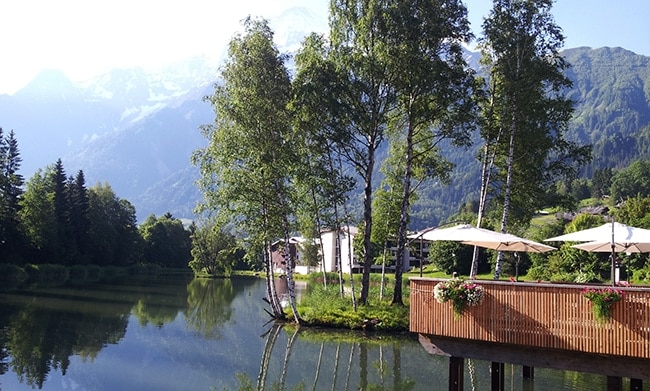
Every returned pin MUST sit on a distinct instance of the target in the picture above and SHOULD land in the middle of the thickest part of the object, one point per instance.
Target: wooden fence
(553, 316)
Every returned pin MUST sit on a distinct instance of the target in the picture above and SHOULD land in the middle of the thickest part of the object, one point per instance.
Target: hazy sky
(87, 37)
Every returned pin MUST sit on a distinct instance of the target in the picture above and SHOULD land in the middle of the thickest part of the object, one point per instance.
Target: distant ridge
(137, 130)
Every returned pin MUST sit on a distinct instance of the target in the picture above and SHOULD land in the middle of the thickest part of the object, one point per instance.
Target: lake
(178, 333)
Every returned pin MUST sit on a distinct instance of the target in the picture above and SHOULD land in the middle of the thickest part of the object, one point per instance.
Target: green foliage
(460, 293)
(11, 190)
(246, 173)
(602, 300)
(214, 252)
(601, 182)
(37, 214)
(47, 273)
(310, 253)
(568, 264)
(321, 307)
(9, 272)
(526, 86)
(451, 257)
(631, 181)
(165, 241)
(113, 232)
(65, 223)
(634, 211)
(249, 166)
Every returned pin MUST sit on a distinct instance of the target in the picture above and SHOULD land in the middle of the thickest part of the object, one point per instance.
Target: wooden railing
(554, 316)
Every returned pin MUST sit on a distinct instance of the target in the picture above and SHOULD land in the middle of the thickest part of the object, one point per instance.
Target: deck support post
(636, 385)
(498, 376)
(528, 372)
(614, 383)
(456, 373)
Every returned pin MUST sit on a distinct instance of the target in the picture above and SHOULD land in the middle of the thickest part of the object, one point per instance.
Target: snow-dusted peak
(293, 25)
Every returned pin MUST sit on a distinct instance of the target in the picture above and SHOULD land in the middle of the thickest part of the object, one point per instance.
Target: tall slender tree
(527, 107)
(359, 51)
(433, 87)
(249, 162)
(320, 122)
(37, 215)
(11, 190)
(77, 200)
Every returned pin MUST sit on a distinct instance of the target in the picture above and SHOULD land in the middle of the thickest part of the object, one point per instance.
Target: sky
(85, 38)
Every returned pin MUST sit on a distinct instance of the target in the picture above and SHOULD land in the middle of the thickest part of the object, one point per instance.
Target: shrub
(47, 273)
(13, 273)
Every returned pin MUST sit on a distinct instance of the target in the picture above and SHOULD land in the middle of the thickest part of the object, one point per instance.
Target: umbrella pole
(613, 258)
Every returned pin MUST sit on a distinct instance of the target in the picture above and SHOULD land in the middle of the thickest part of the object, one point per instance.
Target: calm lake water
(179, 333)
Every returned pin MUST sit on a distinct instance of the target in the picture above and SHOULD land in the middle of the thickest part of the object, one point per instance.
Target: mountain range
(136, 129)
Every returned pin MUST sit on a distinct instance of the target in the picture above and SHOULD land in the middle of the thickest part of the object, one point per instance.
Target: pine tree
(11, 183)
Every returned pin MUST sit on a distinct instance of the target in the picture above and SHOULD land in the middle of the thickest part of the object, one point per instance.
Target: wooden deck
(539, 315)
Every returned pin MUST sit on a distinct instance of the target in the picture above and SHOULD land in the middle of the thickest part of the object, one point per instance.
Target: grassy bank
(326, 307)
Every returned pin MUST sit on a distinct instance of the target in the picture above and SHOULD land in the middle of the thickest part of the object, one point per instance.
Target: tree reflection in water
(42, 335)
(358, 363)
(159, 334)
(209, 305)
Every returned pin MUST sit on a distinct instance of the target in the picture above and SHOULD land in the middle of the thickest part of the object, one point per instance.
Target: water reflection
(377, 363)
(179, 333)
(209, 305)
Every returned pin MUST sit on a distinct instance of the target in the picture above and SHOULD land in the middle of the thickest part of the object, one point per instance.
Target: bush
(586, 277)
(12, 273)
(563, 277)
(144, 269)
(326, 307)
(47, 273)
(641, 276)
(86, 272)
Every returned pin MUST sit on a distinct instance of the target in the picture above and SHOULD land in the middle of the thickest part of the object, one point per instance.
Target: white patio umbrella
(605, 247)
(607, 233)
(481, 237)
(468, 234)
(610, 237)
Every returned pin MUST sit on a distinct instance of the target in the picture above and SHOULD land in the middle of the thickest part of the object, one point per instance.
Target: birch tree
(248, 164)
(359, 52)
(526, 110)
(433, 87)
(320, 124)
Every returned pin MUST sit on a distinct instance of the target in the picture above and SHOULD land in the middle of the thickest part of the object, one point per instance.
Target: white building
(345, 240)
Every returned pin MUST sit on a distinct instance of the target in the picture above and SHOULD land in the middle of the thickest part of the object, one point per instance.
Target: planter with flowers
(602, 300)
(461, 293)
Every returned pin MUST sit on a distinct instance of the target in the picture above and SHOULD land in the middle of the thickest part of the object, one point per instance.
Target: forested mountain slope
(139, 139)
(611, 90)
(612, 94)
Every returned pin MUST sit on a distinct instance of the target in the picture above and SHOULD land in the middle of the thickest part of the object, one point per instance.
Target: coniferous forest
(56, 218)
